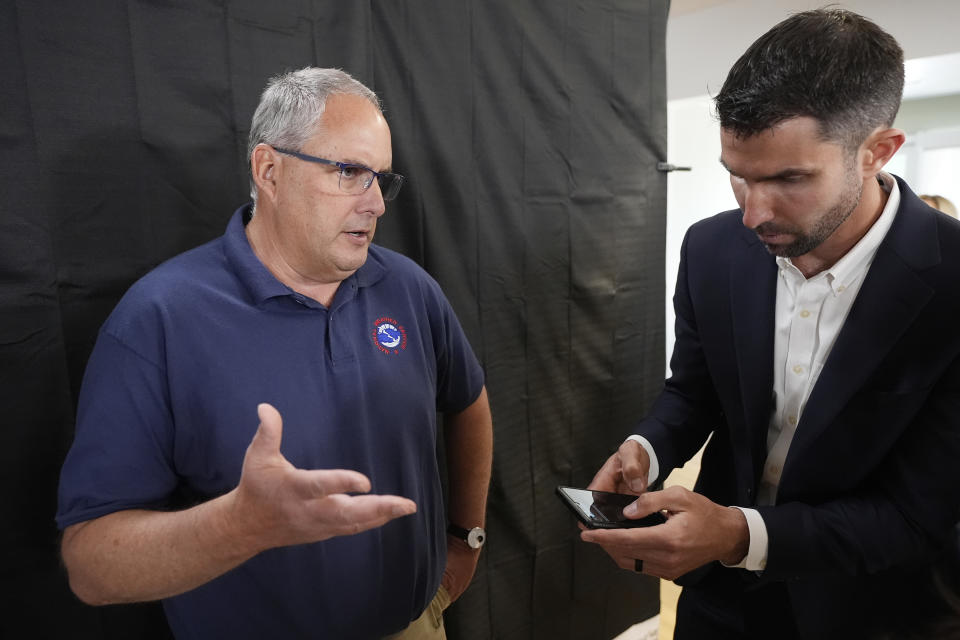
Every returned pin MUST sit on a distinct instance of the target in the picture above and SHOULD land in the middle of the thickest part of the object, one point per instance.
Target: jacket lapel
(753, 291)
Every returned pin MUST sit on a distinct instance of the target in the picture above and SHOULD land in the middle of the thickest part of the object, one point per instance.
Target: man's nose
(376, 205)
(756, 206)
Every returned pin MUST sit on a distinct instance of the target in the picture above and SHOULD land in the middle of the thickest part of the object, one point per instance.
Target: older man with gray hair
(173, 492)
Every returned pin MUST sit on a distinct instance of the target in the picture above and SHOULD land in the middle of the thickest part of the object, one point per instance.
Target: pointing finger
(636, 464)
(325, 482)
(359, 513)
(373, 511)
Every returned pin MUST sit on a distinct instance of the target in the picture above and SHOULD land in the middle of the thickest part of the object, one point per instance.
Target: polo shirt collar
(260, 282)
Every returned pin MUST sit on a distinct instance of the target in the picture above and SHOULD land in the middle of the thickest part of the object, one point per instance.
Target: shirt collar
(859, 257)
(262, 284)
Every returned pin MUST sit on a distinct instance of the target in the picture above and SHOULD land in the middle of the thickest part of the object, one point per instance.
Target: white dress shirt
(809, 316)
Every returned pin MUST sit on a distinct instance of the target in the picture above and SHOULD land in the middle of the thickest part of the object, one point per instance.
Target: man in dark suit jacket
(817, 341)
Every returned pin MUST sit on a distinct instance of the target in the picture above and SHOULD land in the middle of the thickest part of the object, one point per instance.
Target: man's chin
(782, 250)
(782, 244)
(354, 261)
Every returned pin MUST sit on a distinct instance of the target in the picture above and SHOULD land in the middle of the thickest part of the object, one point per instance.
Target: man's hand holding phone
(697, 531)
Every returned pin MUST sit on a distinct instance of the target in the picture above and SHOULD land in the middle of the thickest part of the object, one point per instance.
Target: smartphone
(604, 510)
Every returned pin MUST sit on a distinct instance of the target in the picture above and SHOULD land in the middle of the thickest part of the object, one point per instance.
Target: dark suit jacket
(871, 484)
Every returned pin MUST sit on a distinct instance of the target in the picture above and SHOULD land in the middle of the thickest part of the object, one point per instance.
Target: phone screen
(602, 509)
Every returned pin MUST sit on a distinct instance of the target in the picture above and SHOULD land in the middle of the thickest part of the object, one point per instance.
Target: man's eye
(351, 172)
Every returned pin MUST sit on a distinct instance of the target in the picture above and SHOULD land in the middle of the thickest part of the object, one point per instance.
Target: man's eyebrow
(784, 173)
(357, 163)
(729, 170)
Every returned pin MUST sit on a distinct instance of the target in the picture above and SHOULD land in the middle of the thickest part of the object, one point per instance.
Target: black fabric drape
(529, 132)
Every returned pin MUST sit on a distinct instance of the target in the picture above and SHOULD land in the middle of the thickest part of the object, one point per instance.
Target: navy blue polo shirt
(168, 407)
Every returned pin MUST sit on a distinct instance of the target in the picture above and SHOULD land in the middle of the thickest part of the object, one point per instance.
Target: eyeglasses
(355, 178)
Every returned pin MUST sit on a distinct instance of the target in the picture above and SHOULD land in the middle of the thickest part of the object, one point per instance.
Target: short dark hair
(830, 64)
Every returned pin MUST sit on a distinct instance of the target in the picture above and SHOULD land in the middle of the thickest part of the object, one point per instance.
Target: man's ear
(264, 168)
(879, 147)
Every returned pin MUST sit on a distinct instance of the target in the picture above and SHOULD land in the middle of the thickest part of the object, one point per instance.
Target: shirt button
(792, 420)
(774, 470)
(798, 369)
(841, 289)
(804, 314)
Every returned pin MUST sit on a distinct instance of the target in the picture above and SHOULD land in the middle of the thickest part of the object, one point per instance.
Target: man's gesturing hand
(277, 504)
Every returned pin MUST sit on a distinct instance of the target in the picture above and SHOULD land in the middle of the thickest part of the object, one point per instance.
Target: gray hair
(292, 104)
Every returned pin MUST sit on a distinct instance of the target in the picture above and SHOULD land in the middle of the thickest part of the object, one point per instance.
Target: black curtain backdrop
(529, 132)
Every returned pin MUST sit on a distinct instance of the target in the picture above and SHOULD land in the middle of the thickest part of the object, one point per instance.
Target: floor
(646, 630)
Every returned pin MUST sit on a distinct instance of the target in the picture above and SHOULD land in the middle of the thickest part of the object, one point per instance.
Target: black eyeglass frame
(389, 190)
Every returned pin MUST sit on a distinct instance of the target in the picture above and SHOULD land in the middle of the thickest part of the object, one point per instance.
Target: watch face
(476, 537)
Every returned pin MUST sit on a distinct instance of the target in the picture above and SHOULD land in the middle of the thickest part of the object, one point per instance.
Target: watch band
(474, 537)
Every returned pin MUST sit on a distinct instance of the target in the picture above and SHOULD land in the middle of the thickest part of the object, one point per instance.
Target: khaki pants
(429, 626)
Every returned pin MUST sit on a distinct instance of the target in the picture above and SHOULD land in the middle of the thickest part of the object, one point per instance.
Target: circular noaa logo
(389, 335)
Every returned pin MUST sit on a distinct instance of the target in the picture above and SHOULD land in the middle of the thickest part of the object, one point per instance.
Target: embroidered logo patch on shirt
(389, 335)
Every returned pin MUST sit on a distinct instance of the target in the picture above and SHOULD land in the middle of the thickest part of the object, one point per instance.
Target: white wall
(703, 44)
(693, 140)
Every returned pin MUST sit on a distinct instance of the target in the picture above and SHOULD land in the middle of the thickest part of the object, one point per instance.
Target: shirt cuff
(756, 558)
(654, 472)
